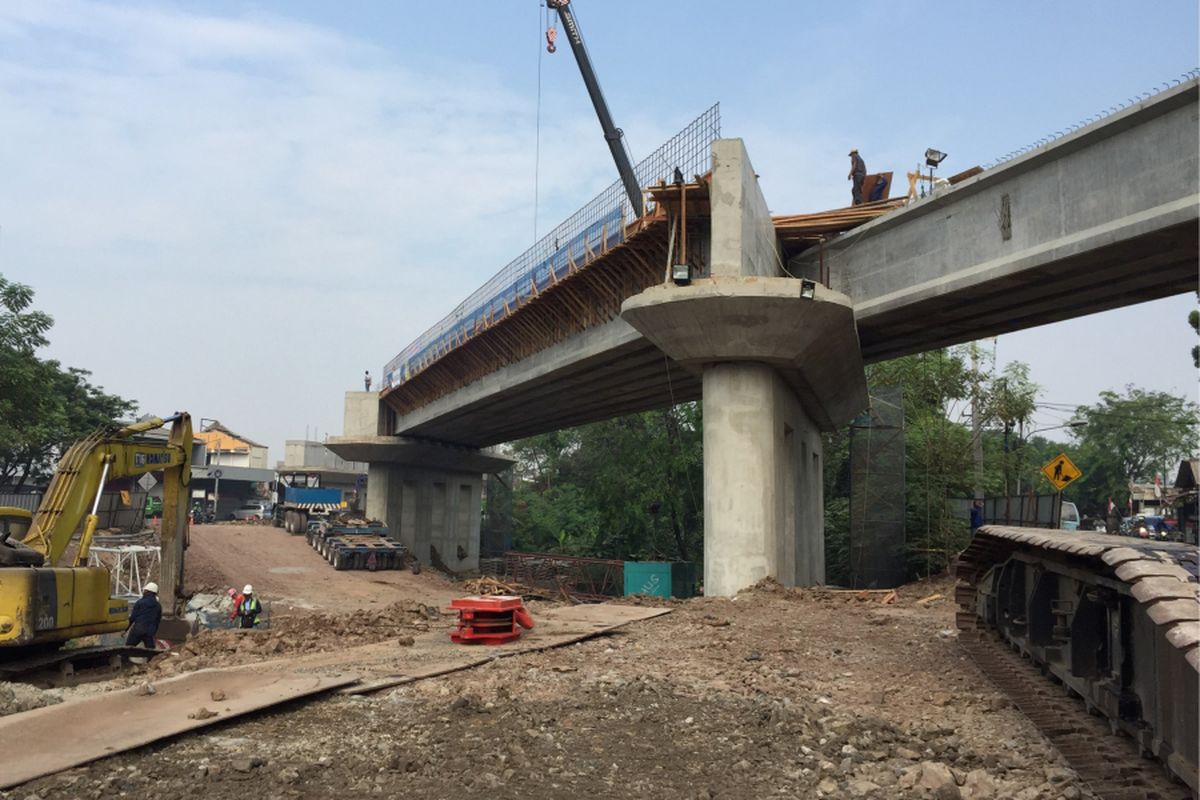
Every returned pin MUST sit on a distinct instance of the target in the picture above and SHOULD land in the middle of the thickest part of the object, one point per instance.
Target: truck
(300, 498)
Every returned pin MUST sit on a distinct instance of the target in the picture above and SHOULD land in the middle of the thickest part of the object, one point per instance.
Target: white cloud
(185, 192)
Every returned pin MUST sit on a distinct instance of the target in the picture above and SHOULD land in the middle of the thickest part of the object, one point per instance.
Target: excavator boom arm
(92, 461)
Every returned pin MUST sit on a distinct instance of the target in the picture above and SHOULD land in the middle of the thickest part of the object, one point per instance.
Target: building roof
(1189, 474)
(218, 436)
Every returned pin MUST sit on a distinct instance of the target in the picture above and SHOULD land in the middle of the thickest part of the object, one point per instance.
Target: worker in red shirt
(237, 598)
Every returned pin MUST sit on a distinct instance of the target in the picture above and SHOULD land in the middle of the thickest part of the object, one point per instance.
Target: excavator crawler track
(1092, 635)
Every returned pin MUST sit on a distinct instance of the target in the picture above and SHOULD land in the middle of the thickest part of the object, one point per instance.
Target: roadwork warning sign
(1061, 471)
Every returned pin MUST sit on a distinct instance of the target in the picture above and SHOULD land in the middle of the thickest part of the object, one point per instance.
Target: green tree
(1128, 438)
(1194, 321)
(630, 487)
(937, 451)
(44, 407)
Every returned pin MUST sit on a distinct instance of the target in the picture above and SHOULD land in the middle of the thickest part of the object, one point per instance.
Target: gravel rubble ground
(773, 693)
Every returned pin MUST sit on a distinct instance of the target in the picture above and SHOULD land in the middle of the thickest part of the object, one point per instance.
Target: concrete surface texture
(1104, 217)
(525, 396)
(361, 416)
(429, 509)
(762, 482)
(743, 236)
(777, 367)
(811, 340)
(427, 493)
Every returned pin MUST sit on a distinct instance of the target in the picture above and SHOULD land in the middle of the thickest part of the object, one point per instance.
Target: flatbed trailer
(358, 547)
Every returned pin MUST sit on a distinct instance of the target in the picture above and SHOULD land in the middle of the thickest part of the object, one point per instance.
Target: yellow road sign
(1061, 471)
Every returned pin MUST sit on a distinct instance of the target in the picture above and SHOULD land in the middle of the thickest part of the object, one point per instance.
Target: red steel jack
(489, 620)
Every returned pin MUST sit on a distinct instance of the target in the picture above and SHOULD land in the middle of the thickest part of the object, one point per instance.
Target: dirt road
(774, 693)
(289, 574)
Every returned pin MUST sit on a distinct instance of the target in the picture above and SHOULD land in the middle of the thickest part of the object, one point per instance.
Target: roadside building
(1185, 500)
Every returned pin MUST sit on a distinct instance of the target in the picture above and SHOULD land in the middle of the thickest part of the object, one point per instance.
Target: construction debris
(486, 586)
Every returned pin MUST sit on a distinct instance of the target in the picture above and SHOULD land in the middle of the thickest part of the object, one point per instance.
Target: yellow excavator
(45, 602)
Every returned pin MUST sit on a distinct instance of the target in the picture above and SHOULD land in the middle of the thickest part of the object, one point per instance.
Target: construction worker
(144, 618)
(858, 174)
(976, 515)
(237, 598)
(367, 381)
(249, 608)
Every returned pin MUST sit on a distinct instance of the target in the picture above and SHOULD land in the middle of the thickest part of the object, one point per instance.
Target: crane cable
(537, 148)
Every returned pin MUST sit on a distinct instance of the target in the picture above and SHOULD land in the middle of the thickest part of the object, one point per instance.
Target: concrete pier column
(739, 490)
(780, 362)
(763, 481)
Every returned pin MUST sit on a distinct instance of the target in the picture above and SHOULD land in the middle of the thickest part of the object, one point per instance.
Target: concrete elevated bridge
(773, 330)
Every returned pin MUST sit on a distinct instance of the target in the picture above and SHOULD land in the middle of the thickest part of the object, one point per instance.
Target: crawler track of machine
(1113, 621)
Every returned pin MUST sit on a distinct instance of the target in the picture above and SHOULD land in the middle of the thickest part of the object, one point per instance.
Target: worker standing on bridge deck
(249, 609)
(144, 619)
(858, 174)
(367, 381)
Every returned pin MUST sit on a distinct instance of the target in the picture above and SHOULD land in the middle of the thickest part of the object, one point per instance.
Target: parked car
(252, 510)
(1068, 517)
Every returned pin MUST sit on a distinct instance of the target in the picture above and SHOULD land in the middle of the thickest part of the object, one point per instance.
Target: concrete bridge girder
(1104, 217)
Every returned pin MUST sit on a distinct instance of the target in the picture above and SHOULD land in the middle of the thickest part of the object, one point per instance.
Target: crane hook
(551, 35)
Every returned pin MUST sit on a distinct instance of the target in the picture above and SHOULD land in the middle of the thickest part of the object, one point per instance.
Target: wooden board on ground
(59, 737)
(553, 628)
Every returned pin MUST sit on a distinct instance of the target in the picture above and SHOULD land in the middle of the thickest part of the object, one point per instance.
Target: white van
(1068, 517)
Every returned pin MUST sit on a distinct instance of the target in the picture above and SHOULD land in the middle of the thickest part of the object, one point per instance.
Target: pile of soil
(294, 635)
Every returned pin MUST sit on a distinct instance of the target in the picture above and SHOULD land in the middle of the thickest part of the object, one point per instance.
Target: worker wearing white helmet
(249, 608)
(144, 618)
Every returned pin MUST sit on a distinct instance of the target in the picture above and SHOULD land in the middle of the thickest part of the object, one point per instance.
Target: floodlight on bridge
(681, 274)
(808, 289)
(934, 157)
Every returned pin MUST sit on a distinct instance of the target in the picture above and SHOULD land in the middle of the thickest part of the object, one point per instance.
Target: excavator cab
(14, 524)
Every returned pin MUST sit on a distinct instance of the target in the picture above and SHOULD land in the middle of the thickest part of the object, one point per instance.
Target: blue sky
(235, 208)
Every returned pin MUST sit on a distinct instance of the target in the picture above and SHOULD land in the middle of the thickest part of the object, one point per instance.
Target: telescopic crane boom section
(612, 134)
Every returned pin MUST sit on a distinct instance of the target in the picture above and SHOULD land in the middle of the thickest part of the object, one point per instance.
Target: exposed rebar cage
(877, 502)
(586, 234)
